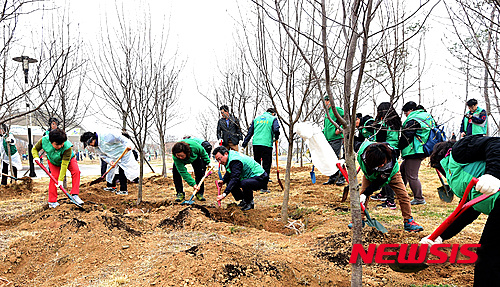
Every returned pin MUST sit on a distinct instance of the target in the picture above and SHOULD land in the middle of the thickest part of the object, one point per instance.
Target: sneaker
(53, 204)
(363, 222)
(378, 197)
(329, 182)
(265, 191)
(112, 189)
(412, 226)
(340, 181)
(200, 197)
(417, 201)
(247, 206)
(180, 197)
(77, 199)
(387, 204)
(122, 192)
(242, 203)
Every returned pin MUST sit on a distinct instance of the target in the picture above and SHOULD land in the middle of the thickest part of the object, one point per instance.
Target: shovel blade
(405, 267)
(374, 223)
(313, 177)
(445, 193)
(190, 201)
(100, 179)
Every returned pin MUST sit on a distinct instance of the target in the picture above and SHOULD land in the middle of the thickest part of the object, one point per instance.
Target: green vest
(13, 148)
(329, 129)
(426, 123)
(477, 129)
(250, 167)
(55, 155)
(364, 131)
(263, 130)
(459, 175)
(392, 135)
(375, 174)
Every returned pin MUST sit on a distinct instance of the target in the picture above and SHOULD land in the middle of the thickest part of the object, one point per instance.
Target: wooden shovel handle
(114, 164)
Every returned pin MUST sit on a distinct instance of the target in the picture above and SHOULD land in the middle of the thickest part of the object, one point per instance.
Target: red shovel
(55, 180)
(218, 191)
(462, 206)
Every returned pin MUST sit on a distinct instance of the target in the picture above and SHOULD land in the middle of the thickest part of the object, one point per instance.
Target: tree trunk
(286, 192)
(141, 173)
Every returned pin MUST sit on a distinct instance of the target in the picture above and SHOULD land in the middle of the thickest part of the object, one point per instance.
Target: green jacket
(196, 151)
(329, 129)
(250, 167)
(263, 130)
(459, 175)
(426, 123)
(392, 135)
(372, 175)
(13, 149)
(477, 129)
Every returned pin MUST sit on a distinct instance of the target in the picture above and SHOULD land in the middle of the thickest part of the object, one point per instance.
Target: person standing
(110, 146)
(335, 138)
(379, 164)
(228, 129)
(415, 133)
(243, 176)
(474, 156)
(265, 129)
(53, 124)
(60, 158)
(15, 158)
(475, 122)
(189, 151)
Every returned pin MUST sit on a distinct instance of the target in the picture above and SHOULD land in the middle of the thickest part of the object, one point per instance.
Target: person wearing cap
(414, 135)
(53, 124)
(110, 146)
(265, 129)
(335, 138)
(61, 158)
(228, 129)
(243, 176)
(189, 151)
(6, 141)
(475, 122)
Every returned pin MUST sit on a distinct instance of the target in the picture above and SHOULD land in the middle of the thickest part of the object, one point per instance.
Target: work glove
(362, 198)
(488, 184)
(35, 160)
(11, 140)
(60, 184)
(429, 242)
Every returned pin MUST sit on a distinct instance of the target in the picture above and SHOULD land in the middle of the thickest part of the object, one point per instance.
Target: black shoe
(329, 182)
(242, 203)
(340, 181)
(247, 206)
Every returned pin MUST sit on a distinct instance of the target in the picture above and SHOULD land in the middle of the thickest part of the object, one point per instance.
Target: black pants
(104, 167)
(122, 178)
(199, 168)
(487, 269)
(244, 191)
(264, 156)
(388, 192)
(5, 169)
(337, 148)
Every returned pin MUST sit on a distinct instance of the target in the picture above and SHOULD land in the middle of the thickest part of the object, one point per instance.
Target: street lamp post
(25, 60)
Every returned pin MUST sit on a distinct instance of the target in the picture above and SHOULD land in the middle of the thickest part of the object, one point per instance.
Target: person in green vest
(387, 130)
(60, 157)
(415, 133)
(189, 151)
(243, 176)
(8, 140)
(474, 156)
(379, 164)
(265, 129)
(475, 122)
(335, 138)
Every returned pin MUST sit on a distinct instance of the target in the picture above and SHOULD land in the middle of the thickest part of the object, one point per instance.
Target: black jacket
(229, 131)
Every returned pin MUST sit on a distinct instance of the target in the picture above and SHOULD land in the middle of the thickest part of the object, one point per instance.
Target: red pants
(75, 179)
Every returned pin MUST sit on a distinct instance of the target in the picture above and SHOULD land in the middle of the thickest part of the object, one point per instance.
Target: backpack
(436, 135)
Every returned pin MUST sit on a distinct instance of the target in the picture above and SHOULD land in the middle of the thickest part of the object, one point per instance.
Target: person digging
(379, 164)
(243, 176)
(189, 151)
(60, 157)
